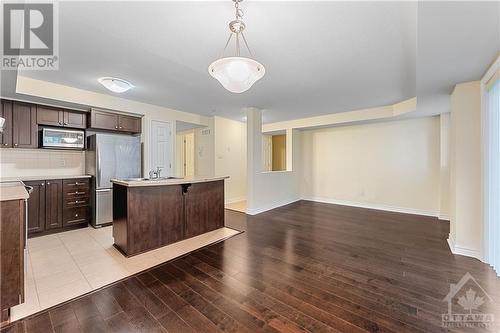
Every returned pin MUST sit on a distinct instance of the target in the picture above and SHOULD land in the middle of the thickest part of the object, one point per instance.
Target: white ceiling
(320, 57)
(457, 41)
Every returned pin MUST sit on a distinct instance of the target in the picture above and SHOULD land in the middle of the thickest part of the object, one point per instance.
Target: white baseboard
(462, 250)
(451, 243)
(233, 200)
(373, 206)
(269, 206)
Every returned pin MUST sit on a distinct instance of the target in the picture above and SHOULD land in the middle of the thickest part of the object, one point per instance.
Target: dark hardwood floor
(305, 267)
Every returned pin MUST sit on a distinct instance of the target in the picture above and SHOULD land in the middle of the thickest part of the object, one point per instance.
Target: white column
(254, 152)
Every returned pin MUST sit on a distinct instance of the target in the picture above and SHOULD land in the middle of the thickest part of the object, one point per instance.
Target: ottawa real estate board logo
(30, 36)
(468, 305)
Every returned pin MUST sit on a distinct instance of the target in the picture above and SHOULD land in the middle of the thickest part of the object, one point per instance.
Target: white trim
(389, 208)
(238, 199)
(462, 250)
(485, 168)
(451, 243)
(273, 205)
(444, 217)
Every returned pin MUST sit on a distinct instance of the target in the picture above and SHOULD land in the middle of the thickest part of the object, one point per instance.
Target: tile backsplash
(41, 162)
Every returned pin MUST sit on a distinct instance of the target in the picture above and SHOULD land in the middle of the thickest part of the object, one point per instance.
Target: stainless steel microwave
(56, 138)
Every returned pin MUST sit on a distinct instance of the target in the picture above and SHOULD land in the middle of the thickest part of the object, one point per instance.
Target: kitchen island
(13, 196)
(148, 214)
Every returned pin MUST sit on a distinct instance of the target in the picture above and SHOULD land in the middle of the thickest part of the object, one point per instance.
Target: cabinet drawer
(75, 216)
(76, 192)
(77, 202)
(72, 185)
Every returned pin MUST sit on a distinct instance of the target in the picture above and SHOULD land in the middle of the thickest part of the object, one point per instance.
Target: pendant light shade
(236, 74)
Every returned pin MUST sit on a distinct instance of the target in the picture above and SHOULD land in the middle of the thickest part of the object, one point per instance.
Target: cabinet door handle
(42, 184)
(76, 215)
(116, 127)
(60, 123)
(15, 144)
(65, 123)
(5, 144)
(48, 183)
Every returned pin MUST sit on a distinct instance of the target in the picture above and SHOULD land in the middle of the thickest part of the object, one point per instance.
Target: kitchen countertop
(178, 181)
(14, 190)
(28, 178)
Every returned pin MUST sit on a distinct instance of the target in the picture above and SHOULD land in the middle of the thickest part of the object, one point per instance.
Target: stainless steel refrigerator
(110, 156)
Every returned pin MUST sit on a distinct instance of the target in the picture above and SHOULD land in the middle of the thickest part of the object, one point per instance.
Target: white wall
(268, 190)
(444, 184)
(389, 165)
(204, 154)
(41, 162)
(466, 230)
(231, 157)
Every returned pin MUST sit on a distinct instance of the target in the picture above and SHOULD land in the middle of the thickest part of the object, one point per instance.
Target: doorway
(185, 154)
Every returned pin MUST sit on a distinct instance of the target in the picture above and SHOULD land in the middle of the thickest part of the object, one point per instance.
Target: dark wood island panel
(149, 217)
(204, 208)
(12, 232)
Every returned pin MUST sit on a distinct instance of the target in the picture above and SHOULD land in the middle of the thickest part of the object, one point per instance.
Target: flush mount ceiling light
(115, 84)
(236, 73)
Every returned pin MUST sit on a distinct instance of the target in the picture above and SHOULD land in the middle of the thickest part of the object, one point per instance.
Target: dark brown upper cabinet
(52, 116)
(75, 119)
(24, 127)
(129, 124)
(20, 130)
(6, 113)
(114, 122)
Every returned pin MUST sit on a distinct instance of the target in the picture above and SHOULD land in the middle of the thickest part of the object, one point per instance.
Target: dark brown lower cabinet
(148, 217)
(57, 205)
(36, 207)
(11, 255)
(53, 201)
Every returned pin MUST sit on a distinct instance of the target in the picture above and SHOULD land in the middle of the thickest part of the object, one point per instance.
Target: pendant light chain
(237, 26)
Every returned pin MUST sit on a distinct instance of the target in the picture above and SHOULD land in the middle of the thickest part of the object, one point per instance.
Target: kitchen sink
(149, 179)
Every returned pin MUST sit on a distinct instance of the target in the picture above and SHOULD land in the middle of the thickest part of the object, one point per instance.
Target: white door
(161, 147)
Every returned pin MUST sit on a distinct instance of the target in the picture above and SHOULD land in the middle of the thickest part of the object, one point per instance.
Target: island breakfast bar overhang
(149, 214)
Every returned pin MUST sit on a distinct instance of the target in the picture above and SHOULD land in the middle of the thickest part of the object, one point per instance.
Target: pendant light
(236, 73)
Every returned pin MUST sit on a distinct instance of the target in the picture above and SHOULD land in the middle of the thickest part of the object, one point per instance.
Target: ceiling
(320, 57)
(457, 42)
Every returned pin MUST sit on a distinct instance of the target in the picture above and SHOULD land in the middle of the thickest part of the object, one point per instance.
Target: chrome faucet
(155, 174)
(158, 171)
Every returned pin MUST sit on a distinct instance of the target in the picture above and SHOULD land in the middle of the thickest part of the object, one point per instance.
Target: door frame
(172, 146)
(192, 152)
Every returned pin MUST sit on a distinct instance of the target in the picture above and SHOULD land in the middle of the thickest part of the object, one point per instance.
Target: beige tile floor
(69, 264)
(240, 206)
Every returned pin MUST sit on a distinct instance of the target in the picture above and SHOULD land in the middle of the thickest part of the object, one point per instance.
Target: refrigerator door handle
(98, 180)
